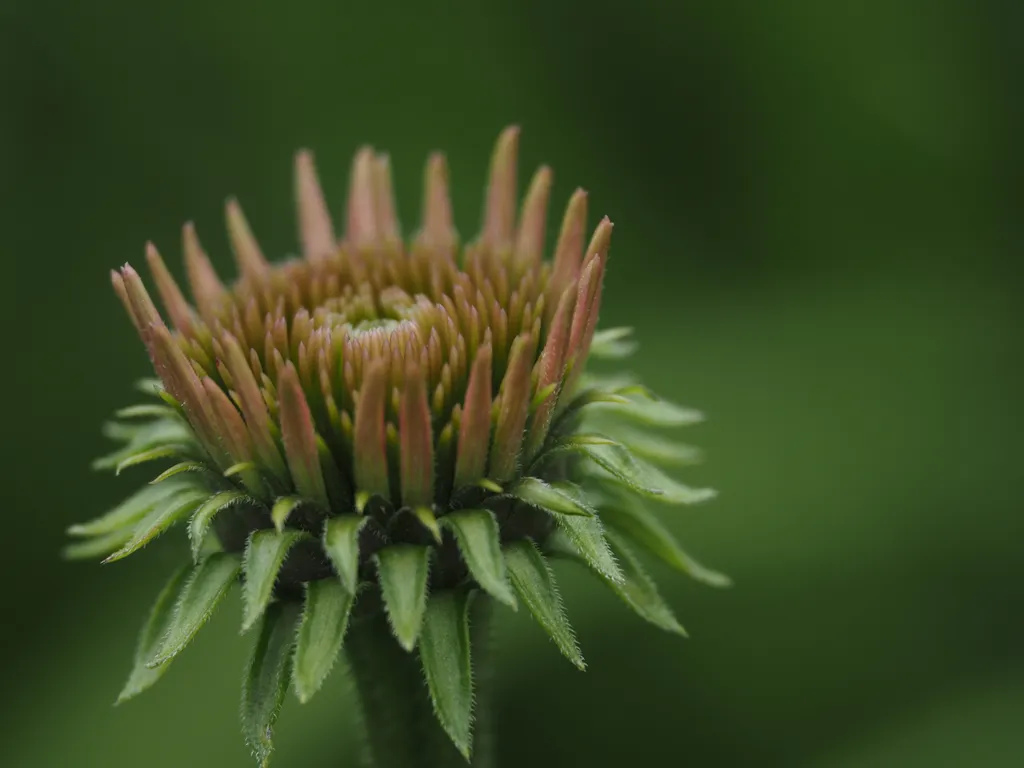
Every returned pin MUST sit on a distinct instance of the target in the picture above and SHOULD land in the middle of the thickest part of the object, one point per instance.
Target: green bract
(407, 419)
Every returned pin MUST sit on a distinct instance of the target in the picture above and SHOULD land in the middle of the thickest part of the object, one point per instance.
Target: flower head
(410, 419)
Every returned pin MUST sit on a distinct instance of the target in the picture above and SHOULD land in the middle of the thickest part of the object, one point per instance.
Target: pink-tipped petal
(552, 369)
(254, 408)
(569, 249)
(475, 426)
(361, 220)
(251, 262)
(515, 406)
(122, 293)
(500, 211)
(415, 441)
(229, 424)
(438, 226)
(299, 437)
(370, 438)
(182, 315)
(207, 289)
(533, 218)
(386, 212)
(315, 228)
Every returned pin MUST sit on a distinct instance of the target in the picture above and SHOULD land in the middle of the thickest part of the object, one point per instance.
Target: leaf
(264, 556)
(341, 542)
(637, 404)
(538, 493)
(266, 680)
(612, 344)
(146, 411)
(207, 584)
(656, 448)
(141, 438)
(129, 511)
(445, 654)
(162, 517)
(321, 634)
(672, 491)
(403, 570)
(476, 532)
(588, 536)
(535, 584)
(637, 525)
(177, 469)
(639, 592)
(153, 454)
(428, 519)
(203, 518)
(98, 546)
(143, 676)
(283, 509)
(615, 462)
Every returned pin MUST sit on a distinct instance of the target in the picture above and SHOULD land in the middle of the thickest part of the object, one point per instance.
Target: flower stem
(402, 730)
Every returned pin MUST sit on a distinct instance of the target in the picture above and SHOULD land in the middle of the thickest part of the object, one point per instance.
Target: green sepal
(162, 517)
(177, 469)
(143, 676)
(640, 527)
(539, 494)
(447, 666)
(283, 509)
(654, 448)
(639, 405)
(207, 584)
(476, 532)
(264, 555)
(266, 679)
(341, 542)
(129, 511)
(428, 520)
(153, 454)
(320, 635)
(201, 520)
(588, 536)
(612, 344)
(403, 571)
(146, 411)
(534, 582)
(639, 591)
(97, 546)
(141, 438)
(239, 468)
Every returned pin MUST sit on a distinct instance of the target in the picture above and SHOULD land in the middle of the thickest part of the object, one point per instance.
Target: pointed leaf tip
(341, 542)
(476, 532)
(445, 652)
(320, 635)
(403, 571)
(264, 556)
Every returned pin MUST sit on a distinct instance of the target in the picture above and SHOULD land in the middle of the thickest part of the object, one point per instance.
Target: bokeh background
(817, 238)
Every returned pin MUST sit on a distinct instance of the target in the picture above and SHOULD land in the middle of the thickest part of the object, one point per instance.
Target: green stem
(402, 731)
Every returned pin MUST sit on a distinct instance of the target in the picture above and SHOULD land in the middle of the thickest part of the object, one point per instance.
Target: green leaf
(283, 509)
(203, 518)
(266, 681)
(146, 411)
(656, 448)
(445, 654)
(535, 584)
(588, 536)
(239, 468)
(98, 546)
(341, 542)
(612, 344)
(538, 493)
(672, 491)
(162, 517)
(639, 405)
(142, 676)
(129, 511)
(142, 438)
(153, 454)
(639, 592)
(320, 635)
(177, 469)
(637, 525)
(264, 556)
(429, 521)
(476, 532)
(207, 584)
(403, 570)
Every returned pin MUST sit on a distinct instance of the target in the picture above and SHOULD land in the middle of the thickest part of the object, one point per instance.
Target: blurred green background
(816, 237)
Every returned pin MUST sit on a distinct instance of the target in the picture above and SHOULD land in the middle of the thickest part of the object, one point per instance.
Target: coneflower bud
(405, 421)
